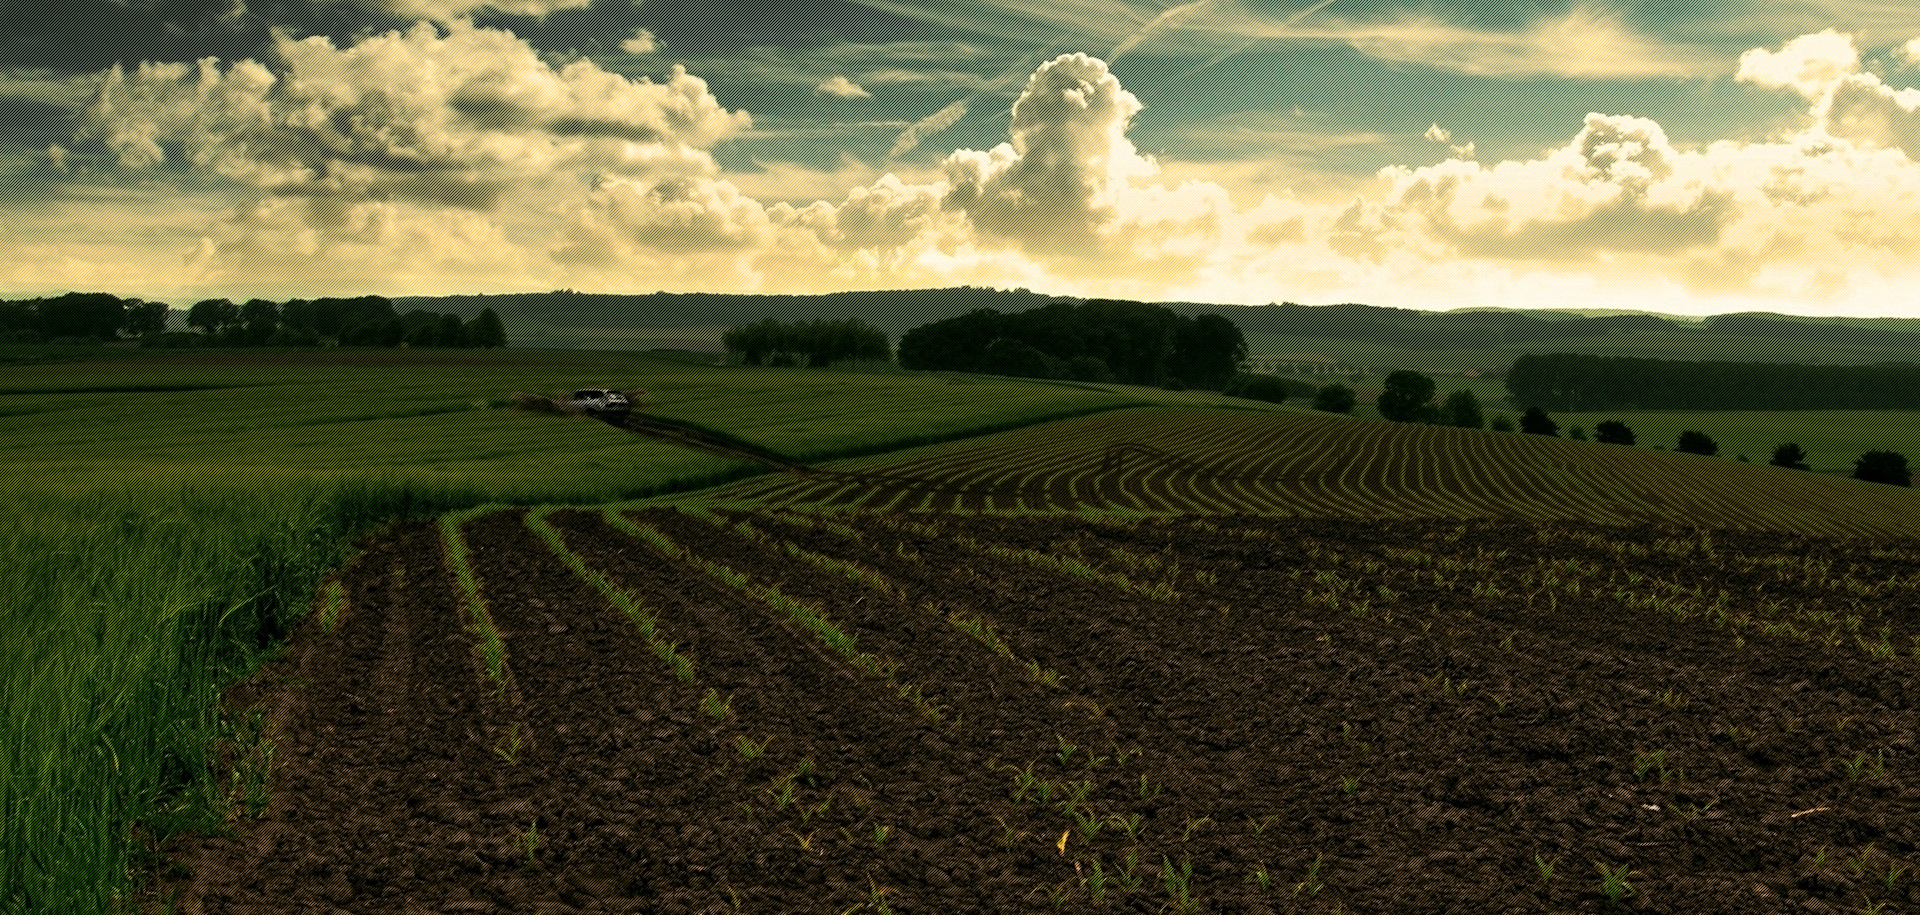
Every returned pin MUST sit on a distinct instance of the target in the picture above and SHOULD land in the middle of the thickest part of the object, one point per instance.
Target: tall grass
(124, 609)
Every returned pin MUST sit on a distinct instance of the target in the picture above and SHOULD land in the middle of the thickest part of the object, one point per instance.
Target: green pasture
(172, 515)
(1832, 438)
(1381, 358)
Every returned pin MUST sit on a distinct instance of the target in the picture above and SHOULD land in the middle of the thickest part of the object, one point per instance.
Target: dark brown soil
(1309, 716)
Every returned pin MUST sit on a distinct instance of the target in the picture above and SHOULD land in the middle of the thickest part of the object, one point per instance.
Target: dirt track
(1317, 691)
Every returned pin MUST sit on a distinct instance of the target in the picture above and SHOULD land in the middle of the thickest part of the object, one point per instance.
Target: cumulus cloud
(842, 87)
(458, 152)
(1847, 103)
(641, 42)
(454, 116)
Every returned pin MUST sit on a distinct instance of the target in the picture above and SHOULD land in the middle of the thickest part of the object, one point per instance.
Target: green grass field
(1384, 358)
(1832, 438)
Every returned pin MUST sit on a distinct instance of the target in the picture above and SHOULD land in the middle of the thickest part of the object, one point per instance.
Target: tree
(1613, 432)
(1888, 467)
(1268, 388)
(146, 318)
(83, 314)
(486, 330)
(1335, 398)
(1535, 421)
(1462, 409)
(257, 310)
(1405, 396)
(1207, 351)
(1501, 423)
(1577, 434)
(1696, 442)
(1789, 455)
(208, 316)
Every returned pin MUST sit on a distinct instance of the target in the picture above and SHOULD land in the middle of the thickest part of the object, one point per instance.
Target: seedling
(1128, 823)
(1130, 877)
(1614, 885)
(1895, 870)
(1149, 790)
(1260, 878)
(1654, 762)
(782, 791)
(750, 749)
(807, 813)
(1095, 880)
(1179, 885)
(1544, 868)
(881, 834)
(1310, 885)
(1861, 765)
(1858, 863)
(714, 706)
(529, 842)
(1194, 825)
(1670, 699)
(1066, 749)
(508, 746)
(1350, 784)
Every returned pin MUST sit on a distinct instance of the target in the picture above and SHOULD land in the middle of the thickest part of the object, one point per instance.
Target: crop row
(1157, 462)
(1187, 715)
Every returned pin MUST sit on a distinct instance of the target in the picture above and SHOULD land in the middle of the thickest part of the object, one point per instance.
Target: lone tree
(1612, 432)
(1335, 398)
(1696, 442)
(1883, 467)
(1536, 422)
(1462, 409)
(1789, 455)
(1406, 396)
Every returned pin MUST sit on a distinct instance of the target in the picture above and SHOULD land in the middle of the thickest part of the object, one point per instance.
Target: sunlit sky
(1682, 156)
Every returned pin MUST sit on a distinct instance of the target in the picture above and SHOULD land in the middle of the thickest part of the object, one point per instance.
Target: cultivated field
(650, 709)
(1137, 659)
(171, 513)
(1161, 461)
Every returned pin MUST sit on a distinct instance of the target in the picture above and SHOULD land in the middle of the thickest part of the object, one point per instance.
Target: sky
(1678, 156)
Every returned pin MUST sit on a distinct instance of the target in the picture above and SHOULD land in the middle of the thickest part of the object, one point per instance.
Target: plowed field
(976, 714)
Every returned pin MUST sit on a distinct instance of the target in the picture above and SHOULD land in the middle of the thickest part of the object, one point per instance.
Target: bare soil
(1248, 745)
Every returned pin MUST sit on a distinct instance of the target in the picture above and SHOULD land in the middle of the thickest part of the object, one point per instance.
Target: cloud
(1847, 103)
(911, 138)
(298, 243)
(454, 116)
(1583, 43)
(1810, 64)
(642, 42)
(1056, 180)
(452, 10)
(842, 87)
(457, 153)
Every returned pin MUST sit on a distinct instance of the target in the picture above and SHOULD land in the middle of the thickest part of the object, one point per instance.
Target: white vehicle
(601, 402)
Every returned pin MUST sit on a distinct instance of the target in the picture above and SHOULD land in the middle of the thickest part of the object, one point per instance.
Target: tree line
(92, 317)
(1581, 383)
(816, 343)
(1100, 340)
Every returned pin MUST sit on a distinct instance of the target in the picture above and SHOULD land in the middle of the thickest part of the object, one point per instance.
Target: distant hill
(1362, 335)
